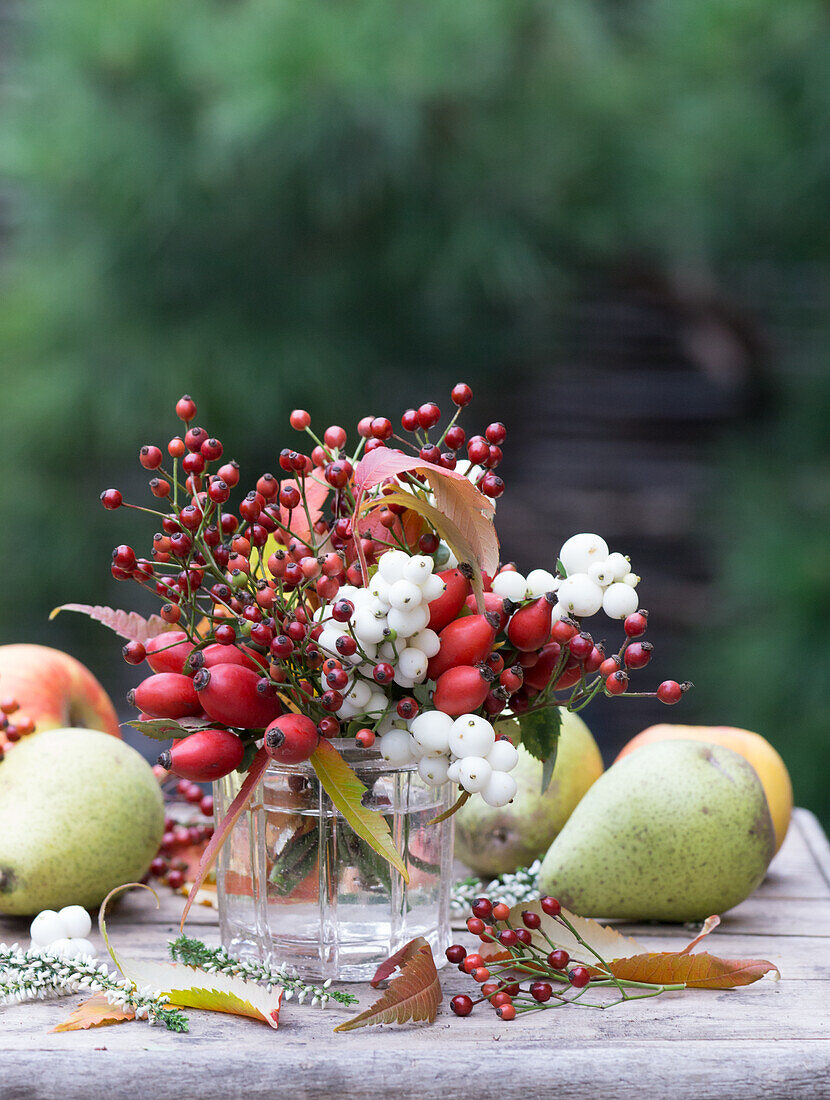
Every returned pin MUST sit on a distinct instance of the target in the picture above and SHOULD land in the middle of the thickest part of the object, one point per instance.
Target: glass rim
(362, 760)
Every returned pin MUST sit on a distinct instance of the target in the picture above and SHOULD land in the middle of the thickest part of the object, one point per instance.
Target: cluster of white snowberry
(596, 579)
(461, 750)
(63, 933)
(395, 602)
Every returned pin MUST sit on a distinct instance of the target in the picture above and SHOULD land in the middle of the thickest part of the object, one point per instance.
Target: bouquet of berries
(359, 594)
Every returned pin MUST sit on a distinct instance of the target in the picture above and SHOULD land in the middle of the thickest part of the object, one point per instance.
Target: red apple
(54, 690)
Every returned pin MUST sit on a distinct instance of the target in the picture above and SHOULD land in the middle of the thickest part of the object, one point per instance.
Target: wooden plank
(711, 1070)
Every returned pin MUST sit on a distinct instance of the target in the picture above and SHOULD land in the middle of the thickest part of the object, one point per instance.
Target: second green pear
(676, 831)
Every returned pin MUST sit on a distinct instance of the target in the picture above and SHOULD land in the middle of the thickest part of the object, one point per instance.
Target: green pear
(497, 840)
(80, 813)
(676, 831)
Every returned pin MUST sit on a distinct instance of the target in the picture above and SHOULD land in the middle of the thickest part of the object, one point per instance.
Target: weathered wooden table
(771, 1039)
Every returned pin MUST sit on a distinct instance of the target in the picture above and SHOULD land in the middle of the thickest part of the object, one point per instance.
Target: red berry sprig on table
(525, 970)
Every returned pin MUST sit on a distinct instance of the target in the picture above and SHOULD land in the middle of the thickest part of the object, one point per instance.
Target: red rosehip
(496, 433)
(299, 420)
(669, 692)
(365, 738)
(461, 1005)
(455, 437)
(482, 907)
(635, 625)
(550, 906)
(111, 498)
(638, 654)
(559, 959)
(228, 694)
(185, 408)
(204, 756)
(409, 420)
(166, 695)
(617, 683)
(580, 976)
(541, 991)
(291, 738)
(428, 415)
(334, 437)
(506, 1012)
(531, 919)
(461, 394)
(456, 953)
(150, 457)
(501, 911)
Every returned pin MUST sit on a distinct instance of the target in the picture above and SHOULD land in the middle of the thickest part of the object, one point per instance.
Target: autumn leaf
(607, 941)
(696, 971)
(96, 1012)
(189, 986)
(126, 624)
(415, 994)
(461, 514)
(346, 792)
(222, 831)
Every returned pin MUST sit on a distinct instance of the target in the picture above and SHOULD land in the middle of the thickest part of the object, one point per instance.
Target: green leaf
(346, 792)
(540, 733)
(163, 729)
(548, 766)
(560, 568)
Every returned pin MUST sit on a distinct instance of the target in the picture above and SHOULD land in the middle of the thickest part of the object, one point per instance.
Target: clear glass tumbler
(296, 885)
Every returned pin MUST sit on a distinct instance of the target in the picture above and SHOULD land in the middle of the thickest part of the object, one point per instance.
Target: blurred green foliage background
(348, 206)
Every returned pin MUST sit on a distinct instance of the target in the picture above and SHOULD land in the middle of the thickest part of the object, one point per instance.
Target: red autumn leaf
(462, 515)
(316, 493)
(258, 766)
(126, 624)
(697, 971)
(96, 1012)
(415, 994)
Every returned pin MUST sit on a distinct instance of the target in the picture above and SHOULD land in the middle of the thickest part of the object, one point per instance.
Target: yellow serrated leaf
(346, 792)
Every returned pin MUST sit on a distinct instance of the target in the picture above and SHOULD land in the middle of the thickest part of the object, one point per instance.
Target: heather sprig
(216, 960)
(30, 975)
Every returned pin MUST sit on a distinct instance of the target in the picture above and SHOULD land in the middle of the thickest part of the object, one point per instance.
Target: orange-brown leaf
(96, 1012)
(415, 994)
(698, 971)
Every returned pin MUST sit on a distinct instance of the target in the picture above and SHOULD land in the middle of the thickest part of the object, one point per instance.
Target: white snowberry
(418, 568)
(631, 579)
(471, 735)
(376, 705)
(392, 564)
(367, 627)
(380, 589)
(391, 650)
(76, 922)
(433, 770)
(432, 588)
(619, 600)
(454, 772)
(578, 595)
(500, 789)
(503, 757)
(601, 574)
(580, 552)
(46, 928)
(540, 581)
(407, 623)
(510, 585)
(431, 729)
(413, 663)
(427, 641)
(474, 772)
(618, 564)
(404, 595)
(396, 748)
